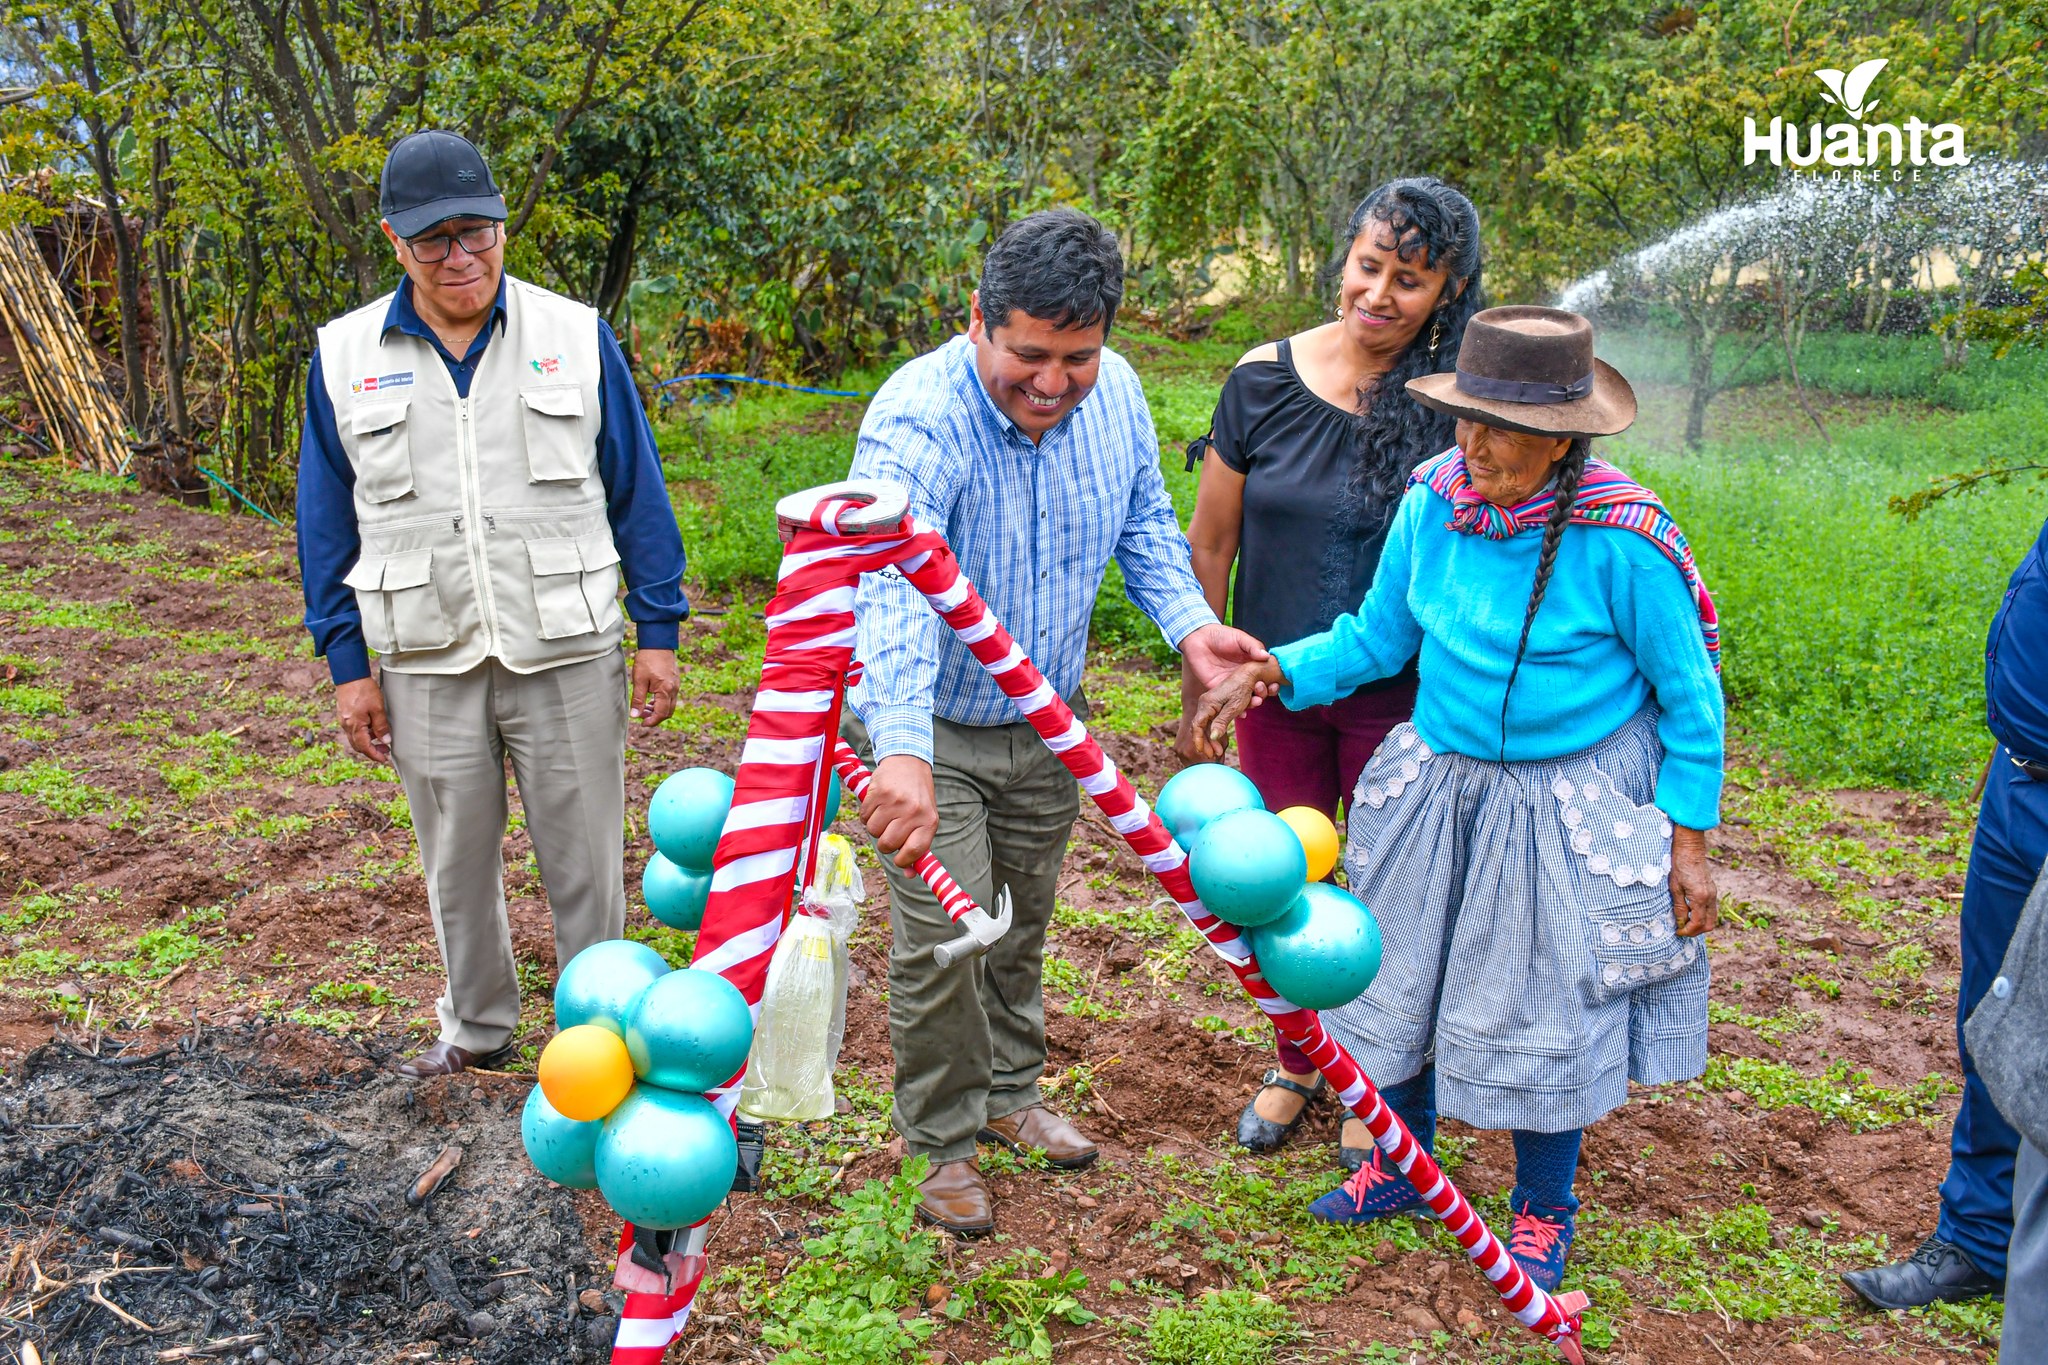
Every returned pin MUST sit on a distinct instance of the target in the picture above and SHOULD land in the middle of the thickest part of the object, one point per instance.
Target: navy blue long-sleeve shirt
(636, 499)
(2016, 660)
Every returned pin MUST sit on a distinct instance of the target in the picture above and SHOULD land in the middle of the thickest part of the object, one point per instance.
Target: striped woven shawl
(1607, 497)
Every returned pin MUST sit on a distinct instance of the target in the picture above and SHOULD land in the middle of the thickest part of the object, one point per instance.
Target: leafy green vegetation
(330, 765)
(1084, 996)
(1231, 1327)
(1772, 1028)
(1022, 1300)
(1739, 1262)
(842, 1304)
(1840, 1094)
(23, 700)
(1132, 700)
(39, 907)
(1251, 1219)
(63, 793)
(205, 763)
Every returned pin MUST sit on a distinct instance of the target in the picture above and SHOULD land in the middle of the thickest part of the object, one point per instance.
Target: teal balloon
(687, 814)
(561, 1149)
(603, 980)
(665, 1160)
(675, 895)
(689, 1031)
(1323, 952)
(1248, 866)
(1194, 796)
(834, 794)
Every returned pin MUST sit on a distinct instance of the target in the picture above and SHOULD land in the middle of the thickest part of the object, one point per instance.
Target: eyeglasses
(476, 241)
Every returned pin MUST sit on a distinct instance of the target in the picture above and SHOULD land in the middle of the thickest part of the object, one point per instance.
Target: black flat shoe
(1350, 1158)
(1256, 1132)
(1936, 1272)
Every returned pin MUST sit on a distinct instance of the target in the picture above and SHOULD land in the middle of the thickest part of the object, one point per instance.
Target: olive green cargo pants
(969, 1040)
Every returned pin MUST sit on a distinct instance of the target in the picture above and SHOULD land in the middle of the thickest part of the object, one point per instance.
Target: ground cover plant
(205, 894)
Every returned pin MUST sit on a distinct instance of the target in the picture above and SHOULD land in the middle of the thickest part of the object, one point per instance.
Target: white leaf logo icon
(1858, 83)
(1848, 90)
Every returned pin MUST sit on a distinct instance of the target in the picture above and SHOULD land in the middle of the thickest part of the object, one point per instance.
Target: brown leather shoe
(446, 1059)
(1039, 1129)
(956, 1198)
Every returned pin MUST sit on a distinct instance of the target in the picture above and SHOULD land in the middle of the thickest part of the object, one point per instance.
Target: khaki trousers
(969, 1040)
(565, 731)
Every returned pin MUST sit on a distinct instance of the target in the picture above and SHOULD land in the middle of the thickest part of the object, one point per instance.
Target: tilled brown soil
(280, 876)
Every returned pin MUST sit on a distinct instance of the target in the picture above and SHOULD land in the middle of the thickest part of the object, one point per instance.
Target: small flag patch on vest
(547, 364)
(377, 382)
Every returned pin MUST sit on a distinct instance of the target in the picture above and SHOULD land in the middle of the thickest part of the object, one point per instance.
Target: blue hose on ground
(237, 494)
(765, 383)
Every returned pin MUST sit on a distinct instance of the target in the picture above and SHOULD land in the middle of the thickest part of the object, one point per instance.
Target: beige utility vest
(482, 518)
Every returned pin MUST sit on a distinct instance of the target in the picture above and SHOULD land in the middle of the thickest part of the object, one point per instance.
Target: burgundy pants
(1313, 758)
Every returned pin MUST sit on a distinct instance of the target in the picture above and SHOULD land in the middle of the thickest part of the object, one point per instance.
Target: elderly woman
(1533, 843)
(1314, 438)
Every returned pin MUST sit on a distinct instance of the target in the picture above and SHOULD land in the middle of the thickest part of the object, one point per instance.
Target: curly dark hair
(1393, 433)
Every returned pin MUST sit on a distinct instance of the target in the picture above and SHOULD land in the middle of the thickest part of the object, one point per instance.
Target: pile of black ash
(211, 1203)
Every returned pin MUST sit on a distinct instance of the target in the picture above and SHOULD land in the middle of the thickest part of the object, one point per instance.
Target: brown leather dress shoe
(446, 1059)
(956, 1198)
(1039, 1129)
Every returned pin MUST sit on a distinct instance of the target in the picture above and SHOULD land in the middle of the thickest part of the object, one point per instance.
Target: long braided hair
(1571, 468)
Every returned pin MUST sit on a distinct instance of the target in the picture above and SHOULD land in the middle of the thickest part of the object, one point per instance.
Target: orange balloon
(585, 1072)
(1318, 838)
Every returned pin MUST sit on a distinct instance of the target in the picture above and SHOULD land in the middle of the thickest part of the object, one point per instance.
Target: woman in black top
(1315, 437)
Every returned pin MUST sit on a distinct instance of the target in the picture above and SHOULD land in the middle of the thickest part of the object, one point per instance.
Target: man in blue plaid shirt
(1027, 442)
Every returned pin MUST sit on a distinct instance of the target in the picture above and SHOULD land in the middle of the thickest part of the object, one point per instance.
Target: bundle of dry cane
(57, 359)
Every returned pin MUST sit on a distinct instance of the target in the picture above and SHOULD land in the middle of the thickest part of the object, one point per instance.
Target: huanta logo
(1858, 144)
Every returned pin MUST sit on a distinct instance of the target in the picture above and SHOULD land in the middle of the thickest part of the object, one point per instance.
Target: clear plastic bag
(803, 1004)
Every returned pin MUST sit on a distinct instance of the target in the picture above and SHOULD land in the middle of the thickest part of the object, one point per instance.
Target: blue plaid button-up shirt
(1034, 526)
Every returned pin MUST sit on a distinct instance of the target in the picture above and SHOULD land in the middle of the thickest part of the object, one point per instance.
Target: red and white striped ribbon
(778, 792)
(952, 899)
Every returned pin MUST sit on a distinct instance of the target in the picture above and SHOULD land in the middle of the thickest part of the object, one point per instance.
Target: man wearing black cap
(475, 472)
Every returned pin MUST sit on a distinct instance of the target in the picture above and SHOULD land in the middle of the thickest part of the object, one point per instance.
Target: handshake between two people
(901, 809)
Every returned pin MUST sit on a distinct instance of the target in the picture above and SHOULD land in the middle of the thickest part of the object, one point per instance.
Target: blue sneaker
(1375, 1190)
(1540, 1242)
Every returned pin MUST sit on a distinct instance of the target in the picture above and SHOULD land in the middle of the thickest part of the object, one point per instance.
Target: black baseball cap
(433, 176)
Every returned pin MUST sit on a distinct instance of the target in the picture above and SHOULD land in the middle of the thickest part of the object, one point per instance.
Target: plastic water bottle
(796, 1042)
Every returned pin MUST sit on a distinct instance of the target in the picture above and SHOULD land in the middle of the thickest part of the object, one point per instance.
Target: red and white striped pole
(837, 533)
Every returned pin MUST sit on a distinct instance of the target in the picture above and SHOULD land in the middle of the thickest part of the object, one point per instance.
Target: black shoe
(752, 1139)
(1257, 1133)
(1936, 1272)
(1351, 1159)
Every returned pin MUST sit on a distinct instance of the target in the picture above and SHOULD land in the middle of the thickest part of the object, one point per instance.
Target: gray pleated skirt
(1530, 949)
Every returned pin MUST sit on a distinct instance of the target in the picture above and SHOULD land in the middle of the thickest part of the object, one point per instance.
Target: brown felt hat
(1531, 369)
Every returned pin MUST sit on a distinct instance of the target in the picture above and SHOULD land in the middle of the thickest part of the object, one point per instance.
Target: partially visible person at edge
(2008, 1038)
(1965, 1256)
(1536, 855)
(474, 471)
(1028, 444)
(1314, 438)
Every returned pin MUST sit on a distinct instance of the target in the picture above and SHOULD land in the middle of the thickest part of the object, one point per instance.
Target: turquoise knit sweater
(1617, 629)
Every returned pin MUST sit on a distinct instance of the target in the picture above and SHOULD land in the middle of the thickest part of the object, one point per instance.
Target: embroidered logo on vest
(377, 382)
(547, 364)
